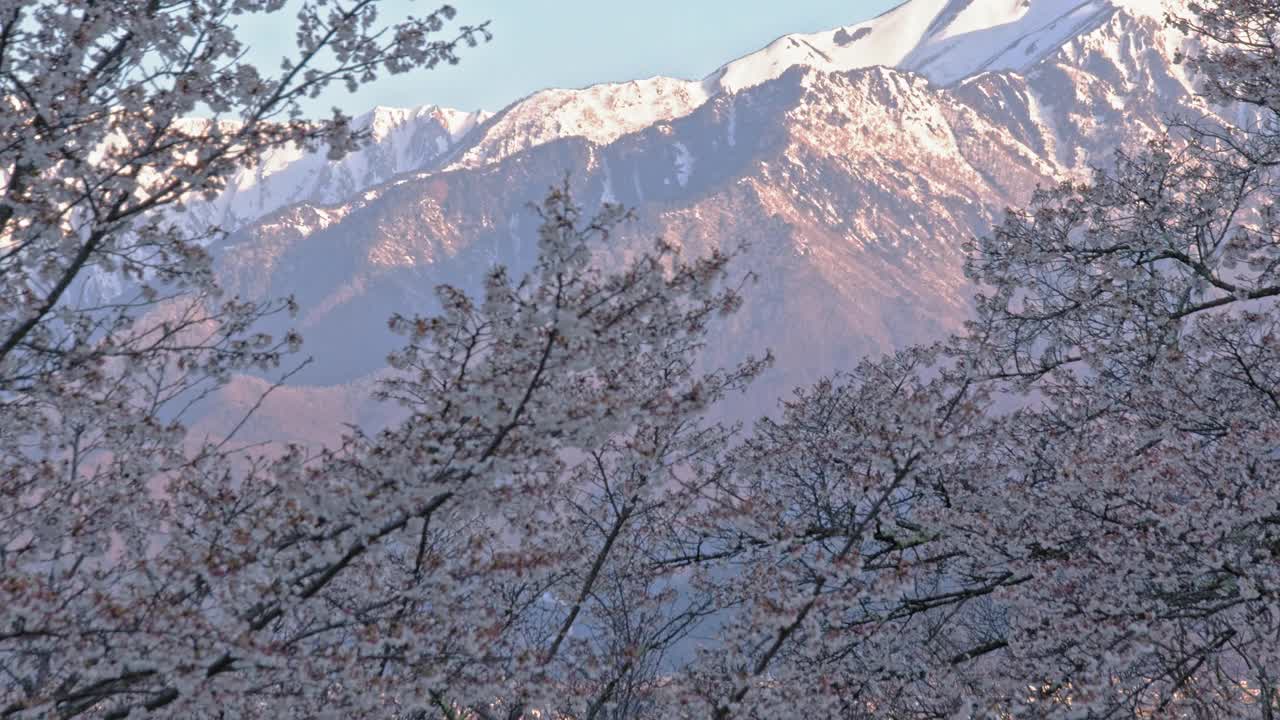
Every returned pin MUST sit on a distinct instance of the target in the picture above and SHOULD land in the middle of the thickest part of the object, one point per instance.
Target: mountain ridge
(855, 191)
(444, 138)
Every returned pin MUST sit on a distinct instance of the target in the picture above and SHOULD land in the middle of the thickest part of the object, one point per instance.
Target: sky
(572, 43)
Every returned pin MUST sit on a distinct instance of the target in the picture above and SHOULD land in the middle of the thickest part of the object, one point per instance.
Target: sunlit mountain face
(853, 164)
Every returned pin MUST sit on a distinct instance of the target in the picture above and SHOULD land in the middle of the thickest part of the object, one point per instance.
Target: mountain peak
(383, 120)
(945, 40)
(600, 113)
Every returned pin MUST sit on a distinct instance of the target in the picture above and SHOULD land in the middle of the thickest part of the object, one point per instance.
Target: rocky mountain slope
(854, 184)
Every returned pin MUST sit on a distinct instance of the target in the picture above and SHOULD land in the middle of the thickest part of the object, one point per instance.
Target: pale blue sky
(573, 43)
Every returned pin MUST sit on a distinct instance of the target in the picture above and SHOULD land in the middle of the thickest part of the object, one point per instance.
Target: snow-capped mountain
(601, 113)
(947, 41)
(402, 140)
(944, 40)
(855, 163)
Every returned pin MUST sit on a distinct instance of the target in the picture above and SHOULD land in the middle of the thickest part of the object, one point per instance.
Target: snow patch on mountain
(607, 196)
(684, 164)
(731, 127)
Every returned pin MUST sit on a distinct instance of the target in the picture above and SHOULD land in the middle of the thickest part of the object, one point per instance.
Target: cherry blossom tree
(1071, 510)
(1143, 492)
(491, 554)
(494, 554)
(836, 545)
(497, 553)
(111, 324)
(1077, 515)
